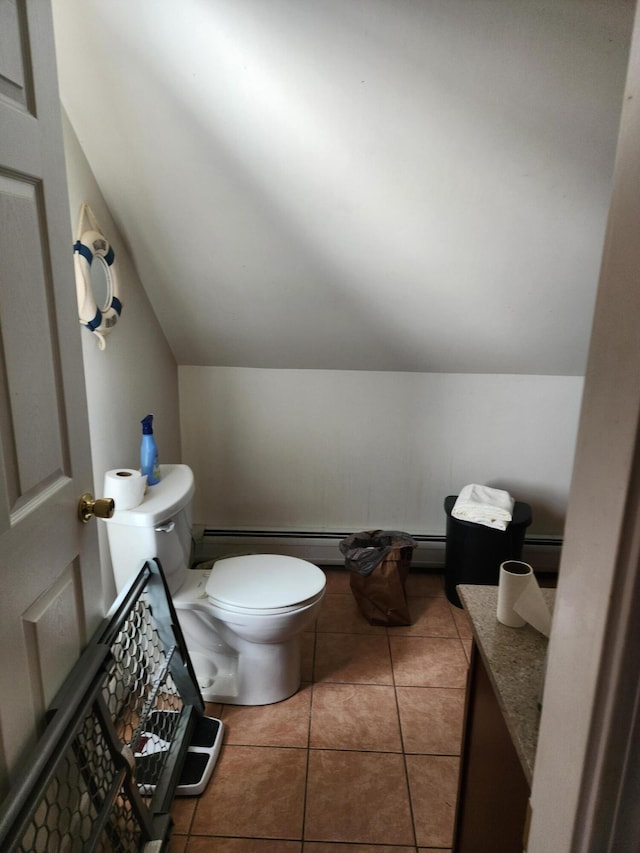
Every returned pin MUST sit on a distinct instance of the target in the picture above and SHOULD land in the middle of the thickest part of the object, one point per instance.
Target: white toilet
(242, 619)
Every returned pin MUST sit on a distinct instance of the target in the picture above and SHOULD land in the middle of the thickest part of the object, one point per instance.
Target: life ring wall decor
(92, 246)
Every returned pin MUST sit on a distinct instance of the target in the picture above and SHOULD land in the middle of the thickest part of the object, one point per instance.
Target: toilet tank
(160, 528)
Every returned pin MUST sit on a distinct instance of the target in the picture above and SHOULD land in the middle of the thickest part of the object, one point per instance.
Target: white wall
(357, 184)
(136, 373)
(321, 450)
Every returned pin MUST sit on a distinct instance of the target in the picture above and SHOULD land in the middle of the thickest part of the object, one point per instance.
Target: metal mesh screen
(106, 769)
(142, 698)
(70, 808)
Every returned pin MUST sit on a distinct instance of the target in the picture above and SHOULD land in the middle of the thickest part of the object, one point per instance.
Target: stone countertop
(514, 660)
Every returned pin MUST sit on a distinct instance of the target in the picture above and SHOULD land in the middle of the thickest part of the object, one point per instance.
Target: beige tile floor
(363, 759)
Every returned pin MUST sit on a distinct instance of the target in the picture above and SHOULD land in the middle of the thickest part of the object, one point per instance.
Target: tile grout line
(402, 744)
(306, 776)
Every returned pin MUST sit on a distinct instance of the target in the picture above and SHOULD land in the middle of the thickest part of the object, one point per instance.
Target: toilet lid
(264, 582)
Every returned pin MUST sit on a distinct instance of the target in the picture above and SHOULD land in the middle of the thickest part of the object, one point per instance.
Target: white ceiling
(412, 185)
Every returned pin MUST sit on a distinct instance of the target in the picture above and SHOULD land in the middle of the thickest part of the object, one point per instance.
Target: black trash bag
(379, 562)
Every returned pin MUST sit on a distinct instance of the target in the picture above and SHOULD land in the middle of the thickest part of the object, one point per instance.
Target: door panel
(49, 568)
(35, 457)
(49, 637)
(13, 68)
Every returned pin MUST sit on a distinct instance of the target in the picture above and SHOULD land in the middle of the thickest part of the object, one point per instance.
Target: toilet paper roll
(126, 486)
(520, 599)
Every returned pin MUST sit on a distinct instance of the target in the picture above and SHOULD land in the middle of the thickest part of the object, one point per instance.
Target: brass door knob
(100, 507)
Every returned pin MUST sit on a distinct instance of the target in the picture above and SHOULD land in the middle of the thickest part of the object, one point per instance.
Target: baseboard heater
(322, 547)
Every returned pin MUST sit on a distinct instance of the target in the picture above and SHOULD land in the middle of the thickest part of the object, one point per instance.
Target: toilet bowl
(242, 618)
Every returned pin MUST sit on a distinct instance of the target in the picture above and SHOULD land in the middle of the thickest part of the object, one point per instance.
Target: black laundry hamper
(474, 551)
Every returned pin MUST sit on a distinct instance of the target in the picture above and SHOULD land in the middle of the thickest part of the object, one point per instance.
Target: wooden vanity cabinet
(502, 719)
(493, 791)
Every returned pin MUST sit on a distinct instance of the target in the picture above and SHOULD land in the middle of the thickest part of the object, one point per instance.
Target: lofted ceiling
(410, 185)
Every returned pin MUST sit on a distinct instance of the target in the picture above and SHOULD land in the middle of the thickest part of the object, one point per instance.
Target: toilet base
(262, 675)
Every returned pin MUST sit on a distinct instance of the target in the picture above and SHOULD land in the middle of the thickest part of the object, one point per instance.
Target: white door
(50, 597)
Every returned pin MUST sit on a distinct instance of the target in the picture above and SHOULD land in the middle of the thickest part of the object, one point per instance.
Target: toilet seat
(264, 583)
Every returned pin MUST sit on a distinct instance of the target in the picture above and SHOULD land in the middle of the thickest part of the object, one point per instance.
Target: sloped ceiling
(356, 184)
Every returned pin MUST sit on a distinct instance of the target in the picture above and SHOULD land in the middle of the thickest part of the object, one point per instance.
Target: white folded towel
(484, 505)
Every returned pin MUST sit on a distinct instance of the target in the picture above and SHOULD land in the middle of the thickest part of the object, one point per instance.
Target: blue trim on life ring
(86, 252)
(94, 324)
(110, 256)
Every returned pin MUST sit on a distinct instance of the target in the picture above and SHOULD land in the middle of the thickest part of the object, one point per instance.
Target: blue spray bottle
(149, 452)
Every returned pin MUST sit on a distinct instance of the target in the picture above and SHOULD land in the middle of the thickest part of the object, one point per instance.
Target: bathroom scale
(200, 760)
